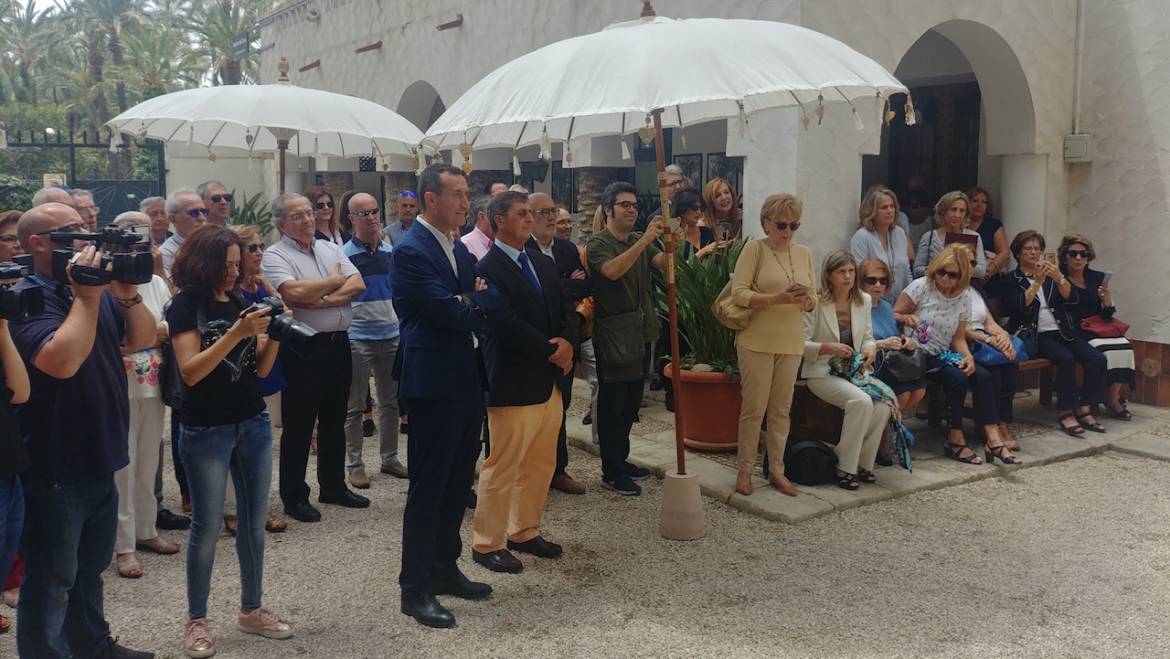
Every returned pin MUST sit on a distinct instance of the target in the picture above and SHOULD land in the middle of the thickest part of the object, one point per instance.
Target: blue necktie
(528, 272)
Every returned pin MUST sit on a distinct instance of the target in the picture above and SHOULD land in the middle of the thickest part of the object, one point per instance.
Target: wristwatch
(325, 299)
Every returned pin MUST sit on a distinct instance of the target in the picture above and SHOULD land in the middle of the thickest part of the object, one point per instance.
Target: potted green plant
(706, 389)
(253, 210)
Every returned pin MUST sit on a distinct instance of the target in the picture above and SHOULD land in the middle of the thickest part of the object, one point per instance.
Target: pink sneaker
(197, 642)
(264, 623)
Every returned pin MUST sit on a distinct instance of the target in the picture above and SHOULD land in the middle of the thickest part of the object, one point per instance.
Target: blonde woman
(774, 276)
(950, 216)
(722, 209)
(936, 309)
(880, 237)
(839, 326)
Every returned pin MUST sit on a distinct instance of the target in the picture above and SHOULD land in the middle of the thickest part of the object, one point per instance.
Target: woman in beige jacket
(840, 326)
(774, 276)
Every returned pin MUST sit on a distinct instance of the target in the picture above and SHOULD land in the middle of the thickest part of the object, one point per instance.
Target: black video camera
(126, 258)
(292, 333)
(18, 305)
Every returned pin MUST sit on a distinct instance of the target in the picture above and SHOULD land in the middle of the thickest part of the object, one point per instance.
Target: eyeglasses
(884, 281)
(88, 209)
(321, 205)
(627, 205)
(408, 194)
(196, 213)
(217, 198)
(300, 217)
(546, 212)
(255, 247)
(369, 213)
(1079, 253)
(784, 226)
(949, 274)
(676, 183)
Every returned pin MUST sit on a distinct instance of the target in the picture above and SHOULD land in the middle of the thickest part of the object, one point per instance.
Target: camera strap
(235, 367)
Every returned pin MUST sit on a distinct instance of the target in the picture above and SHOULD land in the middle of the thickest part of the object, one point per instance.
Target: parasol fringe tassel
(515, 164)
(820, 109)
(744, 129)
(911, 119)
(545, 145)
(625, 149)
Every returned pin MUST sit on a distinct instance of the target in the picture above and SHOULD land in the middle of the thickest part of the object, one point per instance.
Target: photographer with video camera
(14, 390)
(222, 350)
(75, 427)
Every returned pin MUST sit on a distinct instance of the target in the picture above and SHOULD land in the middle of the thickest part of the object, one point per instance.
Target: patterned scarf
(901, 439)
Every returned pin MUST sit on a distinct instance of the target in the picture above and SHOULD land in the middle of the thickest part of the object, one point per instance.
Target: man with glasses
(75, 424)
(676, 180)
(186, 211)
(218, 201)
(407, 211)
(84, 205)
(625, 325)
(479, 240)
(320, 283)
(373, 341)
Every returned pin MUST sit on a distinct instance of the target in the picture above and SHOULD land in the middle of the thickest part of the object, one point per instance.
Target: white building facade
(1039, 70)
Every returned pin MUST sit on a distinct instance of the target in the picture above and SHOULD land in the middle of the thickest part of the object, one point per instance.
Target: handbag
(170, 380)
(1029, 336)
(901, 367)
(986, 355)
(730, 314)
(1104, 329)
(618, 342)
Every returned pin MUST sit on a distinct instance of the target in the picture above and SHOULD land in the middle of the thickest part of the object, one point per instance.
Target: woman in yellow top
(774, 276)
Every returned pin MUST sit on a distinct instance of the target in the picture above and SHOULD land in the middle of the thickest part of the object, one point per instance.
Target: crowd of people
(471, 313)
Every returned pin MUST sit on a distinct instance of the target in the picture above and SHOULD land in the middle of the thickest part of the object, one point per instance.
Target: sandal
(1124, 414)
(848, 482)
(229, 524)
(993, 452)
(1075, 429)
(275, 524)
(1094, 425)
(128, 566)
(955, 452)
(865, 475)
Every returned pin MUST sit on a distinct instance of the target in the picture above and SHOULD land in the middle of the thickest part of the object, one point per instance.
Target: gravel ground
(1065, 560)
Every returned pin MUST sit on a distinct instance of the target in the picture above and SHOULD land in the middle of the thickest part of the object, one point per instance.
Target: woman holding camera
(222, 351)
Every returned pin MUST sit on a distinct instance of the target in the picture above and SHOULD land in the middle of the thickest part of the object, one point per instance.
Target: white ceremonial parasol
(614, 82)
(272, 118)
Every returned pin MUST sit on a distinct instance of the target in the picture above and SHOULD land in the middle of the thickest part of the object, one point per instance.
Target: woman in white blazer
(839, 326)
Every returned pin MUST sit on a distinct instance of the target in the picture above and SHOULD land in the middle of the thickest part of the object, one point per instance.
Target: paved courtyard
(1069, 558)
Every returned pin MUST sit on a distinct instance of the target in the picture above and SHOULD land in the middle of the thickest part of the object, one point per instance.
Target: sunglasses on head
(320, 205)
(949, 274)
(217, 198)
(784, 226)
(884, 281)
(1079, 254)
(255, 247)
(408, 194)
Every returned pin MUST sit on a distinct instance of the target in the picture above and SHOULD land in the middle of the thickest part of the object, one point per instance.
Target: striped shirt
(373, 311)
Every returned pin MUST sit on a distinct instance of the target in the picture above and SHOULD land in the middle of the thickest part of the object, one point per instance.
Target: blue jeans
(209, 453)
(68, 541)
(11, 521)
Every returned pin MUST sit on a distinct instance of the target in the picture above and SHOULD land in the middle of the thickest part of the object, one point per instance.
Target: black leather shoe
(346, 499)
(454, 582)
(424, 608)
(302, 511)
(168, 521)
(117, 651)
(500, 560)
(537, 546)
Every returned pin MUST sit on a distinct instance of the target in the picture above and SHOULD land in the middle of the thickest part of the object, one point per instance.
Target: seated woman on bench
(839, 326)
(937, 308)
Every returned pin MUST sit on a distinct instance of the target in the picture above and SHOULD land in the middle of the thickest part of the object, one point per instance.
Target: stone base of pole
(682, 516)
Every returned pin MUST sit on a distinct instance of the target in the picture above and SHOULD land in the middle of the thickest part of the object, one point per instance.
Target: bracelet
(128, 302)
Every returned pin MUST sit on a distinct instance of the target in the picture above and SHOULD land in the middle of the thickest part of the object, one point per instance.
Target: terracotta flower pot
(707, 407)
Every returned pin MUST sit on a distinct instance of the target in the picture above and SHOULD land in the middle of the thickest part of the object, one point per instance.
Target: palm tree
(105, 20)
(218, 22)
(27, 35)
(158, 62)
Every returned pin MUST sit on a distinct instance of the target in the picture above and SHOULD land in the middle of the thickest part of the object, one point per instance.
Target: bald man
(52, 195)
(75, 425)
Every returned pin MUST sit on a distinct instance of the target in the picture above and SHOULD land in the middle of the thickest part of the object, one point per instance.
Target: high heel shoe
(955, 452)
(993, 452)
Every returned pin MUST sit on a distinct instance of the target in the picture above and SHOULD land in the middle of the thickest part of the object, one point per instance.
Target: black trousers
(1005, 379)
(441, 450)
(317, 395)
(562, 437)
(1066, 355)
(617, 405)
(955, 382)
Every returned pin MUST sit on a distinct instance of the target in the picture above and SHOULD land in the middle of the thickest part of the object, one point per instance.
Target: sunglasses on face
(949, 274)
(321, 205)
(784, 226)
(255, 247)
(884, 281)
(196, 213)
(1079, 253)
(221, 198)
(369, 213)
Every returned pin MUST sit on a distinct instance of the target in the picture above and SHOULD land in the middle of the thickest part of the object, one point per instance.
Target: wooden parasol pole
(669, 241)
(281, 146)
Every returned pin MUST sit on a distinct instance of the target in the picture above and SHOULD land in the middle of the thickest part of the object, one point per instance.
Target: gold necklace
(791, 269)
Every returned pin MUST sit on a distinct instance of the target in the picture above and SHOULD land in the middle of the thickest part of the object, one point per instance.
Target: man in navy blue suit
(440, 304)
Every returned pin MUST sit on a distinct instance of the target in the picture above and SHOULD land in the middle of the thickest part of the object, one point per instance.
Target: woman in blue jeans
(14, 389)
(222, 352)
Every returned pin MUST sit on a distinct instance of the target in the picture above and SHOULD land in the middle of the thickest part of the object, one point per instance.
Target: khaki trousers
(865, 420)
(513, 482)
(765, 380)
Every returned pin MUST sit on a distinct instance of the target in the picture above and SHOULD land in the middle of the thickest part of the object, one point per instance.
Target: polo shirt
(74, 429)
(169, 249)
(373, 311)
(631, 291)
(288, 261)
(396, 230)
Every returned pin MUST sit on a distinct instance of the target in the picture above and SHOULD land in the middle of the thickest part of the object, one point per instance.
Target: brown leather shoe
(500, 560)
(566, 484)
(537, 546)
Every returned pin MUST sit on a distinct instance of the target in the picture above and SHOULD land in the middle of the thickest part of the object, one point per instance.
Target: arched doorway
(421, 105)
(975, 126)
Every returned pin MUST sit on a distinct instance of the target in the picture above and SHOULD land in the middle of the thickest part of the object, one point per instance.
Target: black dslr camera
(18, 305)
(291, 333)
(126, 258)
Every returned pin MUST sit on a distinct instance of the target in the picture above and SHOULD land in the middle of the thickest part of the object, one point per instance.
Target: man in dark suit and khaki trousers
(440, 303)
(529, 350)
